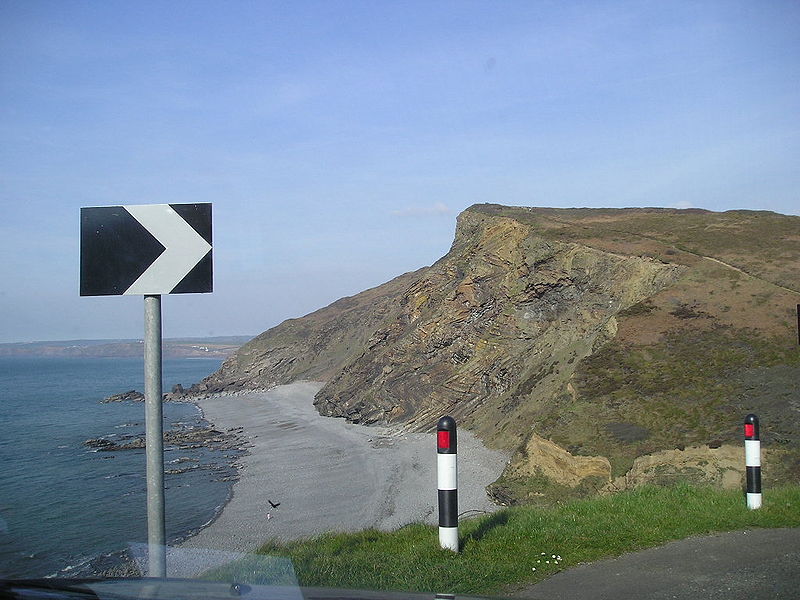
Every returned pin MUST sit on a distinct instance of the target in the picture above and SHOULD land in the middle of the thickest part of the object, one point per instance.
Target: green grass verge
(511, 548)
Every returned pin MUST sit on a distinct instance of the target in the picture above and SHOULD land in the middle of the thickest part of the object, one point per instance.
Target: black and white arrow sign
(146, 249)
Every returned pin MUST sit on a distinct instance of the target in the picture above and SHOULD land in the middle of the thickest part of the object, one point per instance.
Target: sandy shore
(330, 475)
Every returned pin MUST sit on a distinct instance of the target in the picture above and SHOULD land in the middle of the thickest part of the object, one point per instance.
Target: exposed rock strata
(549, 459)
(617, 333)
(314, 347)
(491, 330)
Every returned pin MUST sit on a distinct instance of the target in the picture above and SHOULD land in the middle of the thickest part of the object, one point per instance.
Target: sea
(62, 503)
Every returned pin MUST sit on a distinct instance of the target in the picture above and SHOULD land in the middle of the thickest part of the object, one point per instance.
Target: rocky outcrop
(722, 467)
(564, 334)
(177, 394)
(129, 396)
(184, 438)
(490, 331)
(314, 347)
(549, 459)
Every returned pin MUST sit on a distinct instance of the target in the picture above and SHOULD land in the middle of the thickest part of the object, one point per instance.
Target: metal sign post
(154, 438)
(148, 250)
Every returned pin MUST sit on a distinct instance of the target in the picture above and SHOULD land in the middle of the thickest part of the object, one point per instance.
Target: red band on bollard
(443, 440)
(752, 461)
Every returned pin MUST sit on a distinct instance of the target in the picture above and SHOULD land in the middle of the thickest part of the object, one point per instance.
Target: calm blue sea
(62, 504)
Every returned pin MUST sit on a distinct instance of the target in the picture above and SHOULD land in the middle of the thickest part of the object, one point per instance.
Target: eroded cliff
(491, 331)
(608, 333)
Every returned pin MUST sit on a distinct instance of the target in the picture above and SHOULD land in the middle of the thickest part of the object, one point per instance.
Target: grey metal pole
(154, 438)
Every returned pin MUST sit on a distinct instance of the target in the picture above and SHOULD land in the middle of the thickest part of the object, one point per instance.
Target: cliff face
(314, 347)
(490, 331)
(611, 333)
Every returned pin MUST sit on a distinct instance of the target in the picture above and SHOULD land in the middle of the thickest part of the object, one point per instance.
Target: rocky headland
(583, 340)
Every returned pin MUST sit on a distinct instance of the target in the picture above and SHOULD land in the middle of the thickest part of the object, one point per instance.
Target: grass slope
(522, 545)
(687, 364)
(692, 388)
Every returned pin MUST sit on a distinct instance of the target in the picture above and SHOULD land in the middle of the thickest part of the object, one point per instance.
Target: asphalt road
(759, 564)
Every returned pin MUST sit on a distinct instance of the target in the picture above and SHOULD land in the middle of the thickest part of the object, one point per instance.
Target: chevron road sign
(148, 249)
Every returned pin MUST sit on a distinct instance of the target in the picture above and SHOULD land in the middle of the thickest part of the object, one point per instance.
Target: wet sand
(330, 475)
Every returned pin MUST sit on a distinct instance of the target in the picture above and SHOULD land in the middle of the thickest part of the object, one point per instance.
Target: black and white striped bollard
(447, 471)
(752, 461)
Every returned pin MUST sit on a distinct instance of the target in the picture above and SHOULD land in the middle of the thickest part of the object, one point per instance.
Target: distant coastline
(209, 347)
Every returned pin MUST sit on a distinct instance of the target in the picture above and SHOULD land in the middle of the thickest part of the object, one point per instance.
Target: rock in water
(129, 396)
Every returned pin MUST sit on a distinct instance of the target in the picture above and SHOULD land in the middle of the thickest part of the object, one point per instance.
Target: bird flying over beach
(274, 504)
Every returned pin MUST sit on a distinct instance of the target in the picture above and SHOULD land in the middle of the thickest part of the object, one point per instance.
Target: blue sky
(338, 141)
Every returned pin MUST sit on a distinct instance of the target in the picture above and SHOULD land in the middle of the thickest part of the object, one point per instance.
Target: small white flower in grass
(533, 569)
(543, 553)
(547, 561)
(553, 556)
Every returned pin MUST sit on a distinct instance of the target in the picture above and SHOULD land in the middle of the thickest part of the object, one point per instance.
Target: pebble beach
(307, 474)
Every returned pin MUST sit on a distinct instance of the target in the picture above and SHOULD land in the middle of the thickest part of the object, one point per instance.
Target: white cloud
(682, 204)
(438, 208)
